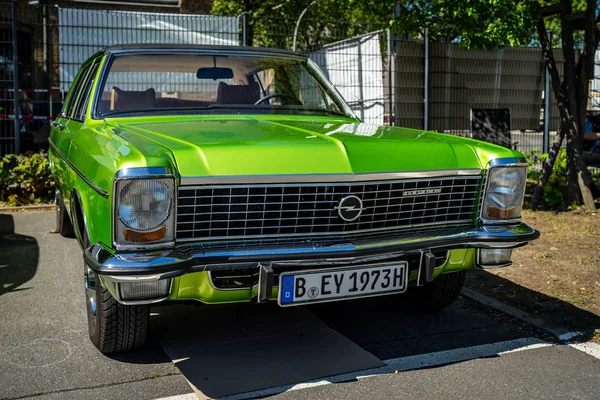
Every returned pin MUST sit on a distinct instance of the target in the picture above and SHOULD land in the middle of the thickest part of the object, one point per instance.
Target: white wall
(355, 67)
(84, 32)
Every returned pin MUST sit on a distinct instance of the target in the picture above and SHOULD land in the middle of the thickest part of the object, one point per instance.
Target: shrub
(26, 179)
(554, 189)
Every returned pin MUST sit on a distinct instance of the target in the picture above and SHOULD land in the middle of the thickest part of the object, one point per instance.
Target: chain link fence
(385, 77)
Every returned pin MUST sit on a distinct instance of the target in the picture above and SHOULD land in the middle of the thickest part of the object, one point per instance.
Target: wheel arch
(82, 231)
(80, 221)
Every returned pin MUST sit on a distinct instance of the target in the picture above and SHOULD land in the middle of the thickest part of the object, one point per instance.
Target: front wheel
(440, 293)
(113, 327)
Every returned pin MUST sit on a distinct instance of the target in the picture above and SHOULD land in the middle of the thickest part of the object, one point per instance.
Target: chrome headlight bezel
(122, 179)
(498, 166)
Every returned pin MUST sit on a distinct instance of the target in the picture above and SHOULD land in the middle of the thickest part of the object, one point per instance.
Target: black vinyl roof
(162, 46)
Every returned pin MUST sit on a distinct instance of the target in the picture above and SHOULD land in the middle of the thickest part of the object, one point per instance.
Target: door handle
(59, 125)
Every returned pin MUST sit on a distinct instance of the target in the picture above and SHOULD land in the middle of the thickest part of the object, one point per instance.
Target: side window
(84, 96)
(73, 92)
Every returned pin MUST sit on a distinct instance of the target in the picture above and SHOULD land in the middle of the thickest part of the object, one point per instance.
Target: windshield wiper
(215, 107)
(171, 110)
(321, 110)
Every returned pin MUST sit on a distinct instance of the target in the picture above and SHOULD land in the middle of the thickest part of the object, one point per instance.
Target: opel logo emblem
(350, 208)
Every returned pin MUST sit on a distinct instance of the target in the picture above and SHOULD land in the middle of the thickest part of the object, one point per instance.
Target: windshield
(175, 84)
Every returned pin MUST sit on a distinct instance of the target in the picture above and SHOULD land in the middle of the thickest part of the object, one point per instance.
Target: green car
(234, 174)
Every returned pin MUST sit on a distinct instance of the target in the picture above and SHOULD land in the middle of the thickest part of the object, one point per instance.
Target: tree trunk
(567, 125)
(572, 194)
(578, 180)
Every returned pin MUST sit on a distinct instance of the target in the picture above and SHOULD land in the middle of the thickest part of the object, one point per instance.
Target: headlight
(503, 197)
(144, 210)
(144, 204)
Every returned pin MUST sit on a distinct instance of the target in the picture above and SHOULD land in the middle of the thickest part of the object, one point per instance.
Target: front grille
(247, 277)
(306, 210)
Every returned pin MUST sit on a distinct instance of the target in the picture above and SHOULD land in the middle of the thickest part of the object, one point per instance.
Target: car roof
(140, 47)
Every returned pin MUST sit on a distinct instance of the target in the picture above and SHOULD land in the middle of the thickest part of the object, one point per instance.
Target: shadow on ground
(389, 328)
(19, 256)
(550, 309)
(228, 349)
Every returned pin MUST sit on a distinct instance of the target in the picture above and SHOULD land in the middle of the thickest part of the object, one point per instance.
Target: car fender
(89, 211)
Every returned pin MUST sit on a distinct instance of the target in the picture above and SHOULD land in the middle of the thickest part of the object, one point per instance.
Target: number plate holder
(335, 284)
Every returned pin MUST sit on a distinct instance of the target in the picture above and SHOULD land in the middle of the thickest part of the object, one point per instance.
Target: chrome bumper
(153, 265)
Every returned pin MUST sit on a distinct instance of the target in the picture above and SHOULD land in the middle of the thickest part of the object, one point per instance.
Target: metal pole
(245, 28)
(395, 42)
(298, 22)
(16, 78)
(426, 83)
(244, 17)
(390, 94)
(546, 139)
(46, 55)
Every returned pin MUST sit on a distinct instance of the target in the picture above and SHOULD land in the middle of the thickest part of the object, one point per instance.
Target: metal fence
(385, 77)
(39, 98)
(52, 43)
(424, 84)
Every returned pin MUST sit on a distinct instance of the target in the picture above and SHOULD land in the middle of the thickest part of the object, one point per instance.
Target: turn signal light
(144, 237)
(497, 213)
(490, 258)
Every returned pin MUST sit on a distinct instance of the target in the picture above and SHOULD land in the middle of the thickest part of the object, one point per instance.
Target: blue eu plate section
(287, 289)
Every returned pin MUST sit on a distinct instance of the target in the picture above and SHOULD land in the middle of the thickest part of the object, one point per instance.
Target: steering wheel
(276, 95)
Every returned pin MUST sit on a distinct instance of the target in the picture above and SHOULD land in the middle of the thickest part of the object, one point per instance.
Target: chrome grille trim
(325, 178)
(334, 202)
(229, 212)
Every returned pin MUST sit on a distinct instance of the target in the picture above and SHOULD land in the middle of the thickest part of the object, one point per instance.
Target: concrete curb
(559, 332)
(43, 207)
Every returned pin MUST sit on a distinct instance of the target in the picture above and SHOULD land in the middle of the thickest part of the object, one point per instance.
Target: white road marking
(530, 347)
(408, 363)
(593, 349)
(188, 396)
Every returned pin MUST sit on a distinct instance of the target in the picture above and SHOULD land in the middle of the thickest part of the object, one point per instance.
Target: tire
(440, 293)
(113, 327)
(64, 226)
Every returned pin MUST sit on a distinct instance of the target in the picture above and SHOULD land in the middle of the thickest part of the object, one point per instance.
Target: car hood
(257, 146)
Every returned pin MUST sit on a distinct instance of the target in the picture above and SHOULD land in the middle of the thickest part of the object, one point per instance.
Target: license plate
(297, 288)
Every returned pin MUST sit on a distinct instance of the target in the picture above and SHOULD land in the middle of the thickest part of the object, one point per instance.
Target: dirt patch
(39, 207)
(556, 276)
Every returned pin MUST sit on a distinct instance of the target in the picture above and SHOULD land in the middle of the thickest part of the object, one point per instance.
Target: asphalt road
(358, 349)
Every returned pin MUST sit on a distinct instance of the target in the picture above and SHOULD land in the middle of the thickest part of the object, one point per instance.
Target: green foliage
(554, 196)
(271, 23)
(484, 24)
(553, 24)
(25, 179)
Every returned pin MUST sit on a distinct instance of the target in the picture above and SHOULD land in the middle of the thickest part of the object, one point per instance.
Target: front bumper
(154, 265)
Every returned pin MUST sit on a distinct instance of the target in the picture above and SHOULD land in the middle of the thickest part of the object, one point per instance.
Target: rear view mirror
(214, 73)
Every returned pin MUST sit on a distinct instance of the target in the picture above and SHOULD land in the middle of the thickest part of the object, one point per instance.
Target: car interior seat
(123, 100)
(238, 94)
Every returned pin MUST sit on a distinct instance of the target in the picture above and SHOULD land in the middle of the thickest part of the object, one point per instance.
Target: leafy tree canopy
(349, 10)
(486, 24)
(272, 22)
